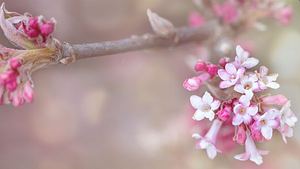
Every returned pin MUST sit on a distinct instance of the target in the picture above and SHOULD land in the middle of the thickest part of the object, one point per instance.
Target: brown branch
(134, 43)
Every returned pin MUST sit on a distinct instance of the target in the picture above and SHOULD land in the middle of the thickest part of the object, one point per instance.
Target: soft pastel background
(129, 111)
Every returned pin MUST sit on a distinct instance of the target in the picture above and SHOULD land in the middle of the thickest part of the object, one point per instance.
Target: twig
(134, 43)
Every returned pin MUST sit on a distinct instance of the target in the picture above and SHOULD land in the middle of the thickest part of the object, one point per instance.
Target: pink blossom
(279, 100)
(212, 70)
(256, 133)
(230, 75)
(204, 106)
(267, 122)
(196, 20)
(28, 92)
(223, 61)
(244, 111)
(227, 11)
(242, 59)
(248, 84)
(266, 80)
(284, 15)
(287, 120)
(200, 66)
(225, 113)
(194, 83)
(208, 142)
(252, 153)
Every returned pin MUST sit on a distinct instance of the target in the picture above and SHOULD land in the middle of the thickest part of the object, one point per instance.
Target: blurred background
(129, 111)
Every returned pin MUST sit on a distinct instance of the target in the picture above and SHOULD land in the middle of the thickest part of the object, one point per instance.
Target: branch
(134, 43)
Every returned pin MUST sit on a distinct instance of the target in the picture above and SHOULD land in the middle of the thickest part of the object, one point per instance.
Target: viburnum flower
(242, 59)
(38, 49)
(243, 111)
(266, 80)
(227, 11)
(204, 106)
(267, 122)
(209, 140)
(238, 98)
(230, 75)
(248, 84)
(252, 153)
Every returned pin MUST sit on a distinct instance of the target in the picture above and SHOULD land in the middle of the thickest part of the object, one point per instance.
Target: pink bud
(224, 114)
(47, 28)
(11, 86)
(200, 66)
(212, 70)
(223, 61)
(15, 63)
(28, 92)
(17, 99)
(279, 100)
(32, 33)
(196, 20)
(240, 136)
(33, 23)
(191, 84)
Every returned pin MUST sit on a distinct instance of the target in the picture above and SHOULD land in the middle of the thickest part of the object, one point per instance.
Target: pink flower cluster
(34, 36)
(13, 88)
(241, 99)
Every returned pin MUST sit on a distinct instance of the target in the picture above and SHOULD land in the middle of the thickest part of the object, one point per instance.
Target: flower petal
(210, 115)
(250, 63)
(199, 115)
(252, 110)
(256, 158)
(211, 151)
(267, 132)
(273, 85)
(196, 101)
(237, 120)
(223, 74)
(239, 88)
(207, 98)
(215, 105)
(242, 157)
(230, 68)
(263, 70)
(225, 84)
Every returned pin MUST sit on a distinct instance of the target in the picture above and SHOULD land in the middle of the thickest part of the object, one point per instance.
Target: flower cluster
(241, 99)
(39, 48)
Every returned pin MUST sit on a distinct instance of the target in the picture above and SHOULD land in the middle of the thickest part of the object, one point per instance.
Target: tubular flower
(237, 100)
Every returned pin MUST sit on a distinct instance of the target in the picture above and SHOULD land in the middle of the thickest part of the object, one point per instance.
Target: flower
(252, 152)
(244, 111)
(287, 121)
(224, 113)
(26, 31)
(267, 122)
(247, 85)
(230, 75)
(209, 140)
(279, 100)
(204, 106)
(267, 80)
(194, 83)
(240, 136)
(196, 20)
(284, 15)
(227, 11)
(242, 59)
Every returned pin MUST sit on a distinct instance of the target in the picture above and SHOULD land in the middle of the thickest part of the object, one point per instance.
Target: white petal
(211, 152)
(196, 136)
(250, 63)
(249, 93)
(215, 105)
(210, 115)
(239, 50)
(245, 100)
(242, 157)
(223, 74)
(272, 77)
(267, 132)
(225, 84)
(239, 88)
(199, 115)
(196, 101)
(230, 68)
(237, 120)
(273, 85)
(257, 158)
(207, 98)
(252, 110)
(247, 118)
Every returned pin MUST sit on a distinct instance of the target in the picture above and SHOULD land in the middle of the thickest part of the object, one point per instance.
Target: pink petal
(225, 84)
(237, 120)
(250, 63)
(242, 157)
(223, 74)
(279, 100)
(230, 68)
(252, 110)
(267, 132)
(239, 88)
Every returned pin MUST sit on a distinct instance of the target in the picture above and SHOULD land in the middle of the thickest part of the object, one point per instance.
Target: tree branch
(134, 43)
